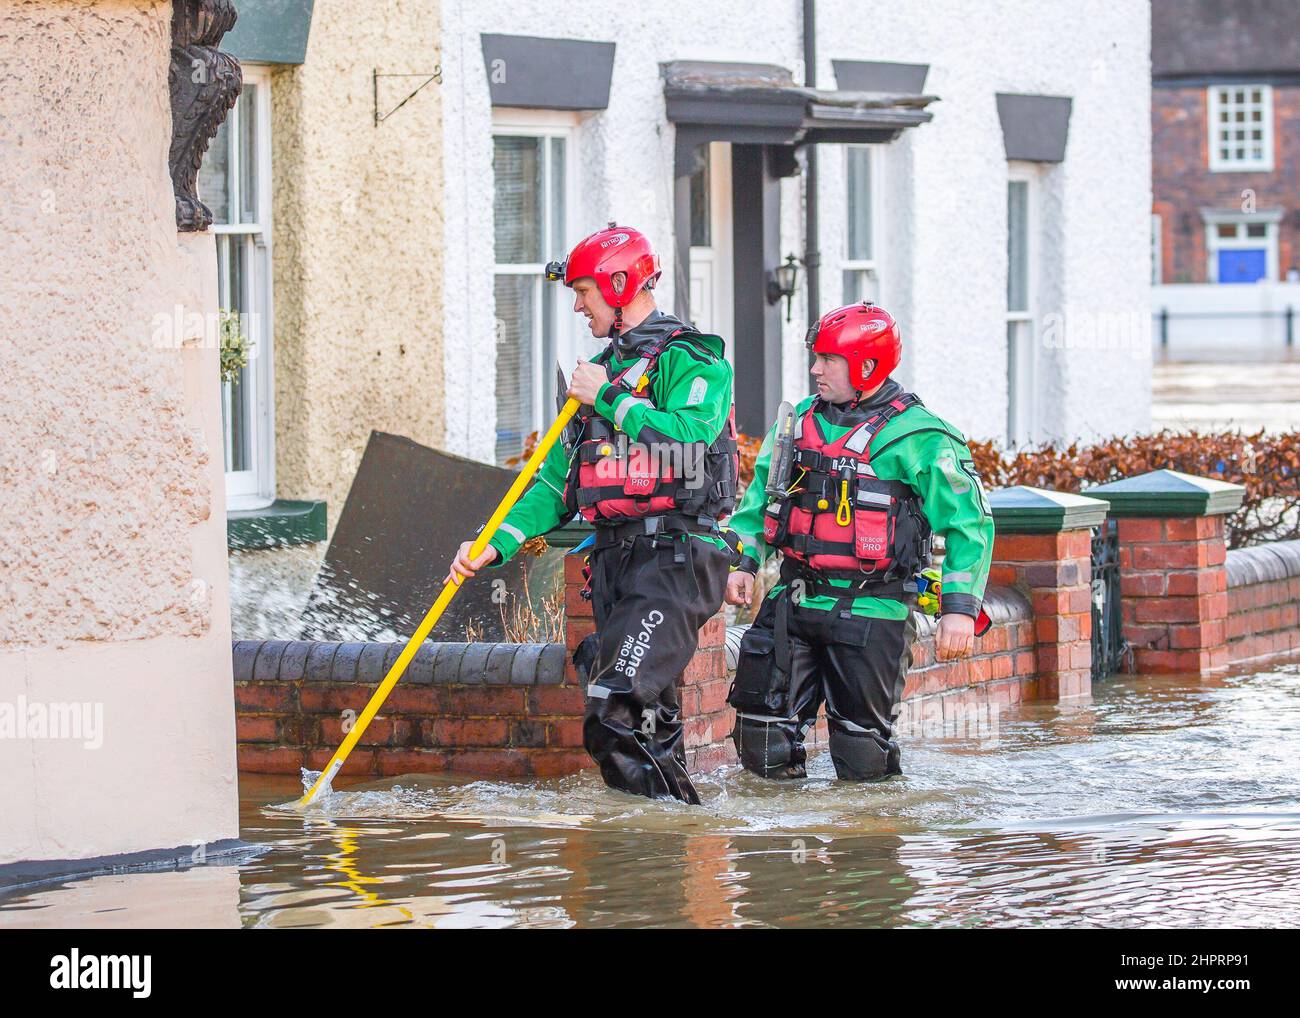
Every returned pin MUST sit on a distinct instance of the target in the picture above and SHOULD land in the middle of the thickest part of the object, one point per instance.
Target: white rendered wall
(944, 236)
(948, 281)
(625, 151)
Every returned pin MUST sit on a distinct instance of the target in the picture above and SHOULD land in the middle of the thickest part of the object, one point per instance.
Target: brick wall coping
(493, 664)
(1278, 560)
(1025, 510)
(1162, 493)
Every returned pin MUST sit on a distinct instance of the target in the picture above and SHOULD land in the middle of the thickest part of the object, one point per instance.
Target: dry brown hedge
(1268, 465)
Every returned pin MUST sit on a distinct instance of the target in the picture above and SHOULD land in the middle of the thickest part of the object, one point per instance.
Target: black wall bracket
(381, 117)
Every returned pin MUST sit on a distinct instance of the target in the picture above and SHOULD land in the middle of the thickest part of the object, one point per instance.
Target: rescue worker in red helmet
(652, 463)
(848, 486)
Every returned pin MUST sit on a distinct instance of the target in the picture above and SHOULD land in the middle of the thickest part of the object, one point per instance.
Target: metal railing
(1164, 316)
(1108, 646)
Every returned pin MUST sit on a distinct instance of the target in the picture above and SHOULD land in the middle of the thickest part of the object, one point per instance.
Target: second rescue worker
(652, 464)
(848, 486)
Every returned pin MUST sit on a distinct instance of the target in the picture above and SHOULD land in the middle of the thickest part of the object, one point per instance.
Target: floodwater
(1222, 392)
(1160, 802)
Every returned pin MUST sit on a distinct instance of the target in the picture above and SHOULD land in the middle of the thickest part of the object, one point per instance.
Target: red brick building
(1225, 140)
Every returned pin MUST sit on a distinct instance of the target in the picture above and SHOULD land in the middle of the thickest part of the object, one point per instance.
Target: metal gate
(1108, 647)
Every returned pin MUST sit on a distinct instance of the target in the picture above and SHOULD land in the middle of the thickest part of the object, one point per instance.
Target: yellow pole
(449, 590)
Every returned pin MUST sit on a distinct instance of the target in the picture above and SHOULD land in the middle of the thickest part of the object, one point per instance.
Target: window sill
(1235, 168)
(279, 525)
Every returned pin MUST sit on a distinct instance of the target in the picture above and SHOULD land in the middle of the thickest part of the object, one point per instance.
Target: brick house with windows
(1226, 149)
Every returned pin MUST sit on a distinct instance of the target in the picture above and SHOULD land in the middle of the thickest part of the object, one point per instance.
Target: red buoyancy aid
(841, 520)
(614, 481)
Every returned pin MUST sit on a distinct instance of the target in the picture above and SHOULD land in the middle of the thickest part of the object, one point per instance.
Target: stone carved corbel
(204, 86)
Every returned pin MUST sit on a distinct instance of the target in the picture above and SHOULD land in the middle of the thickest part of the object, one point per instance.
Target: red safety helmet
(605, 252)
(859, 333)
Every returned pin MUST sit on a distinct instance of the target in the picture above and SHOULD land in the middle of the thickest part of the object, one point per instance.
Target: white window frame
(508, 122)
(1022, 402)
(1269, 219)
(254, 489)
(1214, 106)
(871, 267)
(717, 258)
(1157, 249)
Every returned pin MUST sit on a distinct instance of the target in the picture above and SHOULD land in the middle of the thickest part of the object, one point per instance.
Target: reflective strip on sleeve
(621, 410)
(514, 532)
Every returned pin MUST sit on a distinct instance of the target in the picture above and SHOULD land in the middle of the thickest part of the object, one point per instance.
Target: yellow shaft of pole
(449, 590)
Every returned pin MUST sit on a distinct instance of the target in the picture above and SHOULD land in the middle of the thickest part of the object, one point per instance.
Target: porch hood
(761, 104)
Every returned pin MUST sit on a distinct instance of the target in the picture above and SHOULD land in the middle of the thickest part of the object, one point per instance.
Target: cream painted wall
(113, 586)
(358, 246)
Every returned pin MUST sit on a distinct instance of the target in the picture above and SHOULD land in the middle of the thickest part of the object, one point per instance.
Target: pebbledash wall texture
(943, 236)
(1183, 184)
(358, 246)
(113, 593)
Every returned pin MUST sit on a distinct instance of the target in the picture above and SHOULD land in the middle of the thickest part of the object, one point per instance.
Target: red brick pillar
(703, 691)
(1044, 547)
(1172, 572)
(579, 619)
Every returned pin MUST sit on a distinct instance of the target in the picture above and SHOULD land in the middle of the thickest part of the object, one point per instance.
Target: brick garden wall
(515, 710)
(508, 710)
(1263, 600)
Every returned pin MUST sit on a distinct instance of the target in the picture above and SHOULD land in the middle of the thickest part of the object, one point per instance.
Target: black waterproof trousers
(650, 595)
(855, 665)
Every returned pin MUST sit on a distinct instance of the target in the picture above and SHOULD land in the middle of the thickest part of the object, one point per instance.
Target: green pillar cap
(1026, 510)
(284, 522)
(1170, 493)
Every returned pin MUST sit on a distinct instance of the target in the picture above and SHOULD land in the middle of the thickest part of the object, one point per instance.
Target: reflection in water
(1161, 801)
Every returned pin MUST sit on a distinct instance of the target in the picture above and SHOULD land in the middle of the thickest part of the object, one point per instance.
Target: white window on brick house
(1240, 128)
(533, 202)
(235, 183)
(860, 265)
(1022, 250)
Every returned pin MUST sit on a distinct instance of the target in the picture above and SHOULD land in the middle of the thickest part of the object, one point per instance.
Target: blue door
(1242, 265)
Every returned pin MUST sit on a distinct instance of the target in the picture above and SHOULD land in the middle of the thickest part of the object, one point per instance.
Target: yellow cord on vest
(842, 512)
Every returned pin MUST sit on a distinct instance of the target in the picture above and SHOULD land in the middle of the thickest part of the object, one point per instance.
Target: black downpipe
(812, 240)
